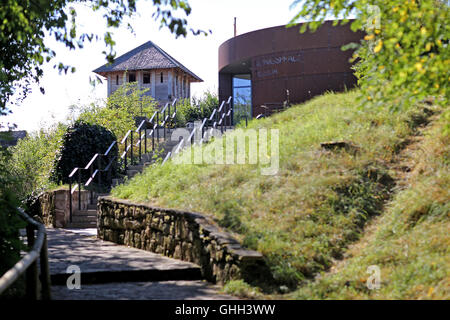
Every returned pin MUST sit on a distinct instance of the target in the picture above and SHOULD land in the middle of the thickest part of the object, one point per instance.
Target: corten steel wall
(281, 59)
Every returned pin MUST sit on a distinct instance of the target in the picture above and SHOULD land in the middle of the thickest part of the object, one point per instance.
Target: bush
(80, 143)
(186, 112)
(199, 109)
(31, 161)
(10, 222)
(206, 103)
(126, 105)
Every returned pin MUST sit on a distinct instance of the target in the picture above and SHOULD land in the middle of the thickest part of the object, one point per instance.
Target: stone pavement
(166, 290)
(111, 271)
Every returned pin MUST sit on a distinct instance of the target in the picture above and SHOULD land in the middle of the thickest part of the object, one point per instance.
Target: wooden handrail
(39, 250)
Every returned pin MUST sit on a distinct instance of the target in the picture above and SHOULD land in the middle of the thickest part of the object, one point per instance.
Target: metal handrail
(127, 148)
(125, 137)
(89, 166)
(28, 263)
(220, 115)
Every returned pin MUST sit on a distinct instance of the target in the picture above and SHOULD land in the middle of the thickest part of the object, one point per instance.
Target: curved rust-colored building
(270, 66)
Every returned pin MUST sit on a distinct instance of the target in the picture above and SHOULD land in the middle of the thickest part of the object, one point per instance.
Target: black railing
(28, 264)
(221, 117)
(161, 119)
(93, 173)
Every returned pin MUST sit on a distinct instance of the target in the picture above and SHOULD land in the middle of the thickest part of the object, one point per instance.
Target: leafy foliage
(405, 51)
(80, 143)
(122, 112)
(199, 109)
(24, 23)
(10, 222)
(32, 160)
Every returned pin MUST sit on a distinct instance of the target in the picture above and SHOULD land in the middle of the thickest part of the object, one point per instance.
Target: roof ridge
(138, 52)
(173, 60)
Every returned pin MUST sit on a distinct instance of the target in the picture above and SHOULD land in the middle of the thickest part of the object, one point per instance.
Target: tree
(405, 54)
(23, 24)
(122, 111)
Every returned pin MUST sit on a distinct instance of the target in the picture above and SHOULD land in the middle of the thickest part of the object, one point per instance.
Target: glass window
(132, 77)
(242, 80)
(242, 97)
(146, 78)
(162, 77)
(117, 80)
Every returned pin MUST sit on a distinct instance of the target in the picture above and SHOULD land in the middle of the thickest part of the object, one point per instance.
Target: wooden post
(32, 271)
(45, 272)
(79, 189)
(70, 199)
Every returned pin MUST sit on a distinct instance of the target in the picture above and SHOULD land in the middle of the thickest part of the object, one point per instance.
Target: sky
(198, 53)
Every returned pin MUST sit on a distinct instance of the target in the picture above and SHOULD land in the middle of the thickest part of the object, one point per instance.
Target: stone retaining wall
(53, 206)
(181, 235)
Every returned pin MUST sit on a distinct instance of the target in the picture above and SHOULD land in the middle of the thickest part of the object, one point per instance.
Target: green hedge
(80, 143)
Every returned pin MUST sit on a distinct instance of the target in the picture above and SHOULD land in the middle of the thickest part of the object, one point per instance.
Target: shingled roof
(145, 57)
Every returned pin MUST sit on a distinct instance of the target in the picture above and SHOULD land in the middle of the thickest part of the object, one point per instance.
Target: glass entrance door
(242, 97)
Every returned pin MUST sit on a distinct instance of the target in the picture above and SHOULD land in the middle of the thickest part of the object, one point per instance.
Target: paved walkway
(111, 271)
(166, 290)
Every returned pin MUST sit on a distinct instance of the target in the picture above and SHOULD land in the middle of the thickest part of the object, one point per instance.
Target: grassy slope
(305, 216)
(409, 242)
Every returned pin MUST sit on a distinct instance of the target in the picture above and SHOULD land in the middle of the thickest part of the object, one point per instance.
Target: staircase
(87, 218)
(146, 160)
(84, 219)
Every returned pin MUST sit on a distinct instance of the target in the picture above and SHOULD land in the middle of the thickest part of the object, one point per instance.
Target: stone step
(138, 167)
(96, 195)
(132, 173)
(89, 212)
(116, 182)
(82, 219)
(81, 225)
(92, 206)
(147, 157)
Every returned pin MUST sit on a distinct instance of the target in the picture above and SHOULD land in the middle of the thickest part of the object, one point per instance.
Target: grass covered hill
(304, 218)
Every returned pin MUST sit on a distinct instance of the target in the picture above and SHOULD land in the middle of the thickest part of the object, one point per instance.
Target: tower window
(146, 78)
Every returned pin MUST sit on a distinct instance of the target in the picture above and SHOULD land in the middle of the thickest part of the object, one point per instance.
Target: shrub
(80, 143)
(206, 103)
(10, 222)
(31, 160)
(186, 112)
(199, 109)
(126, 105)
